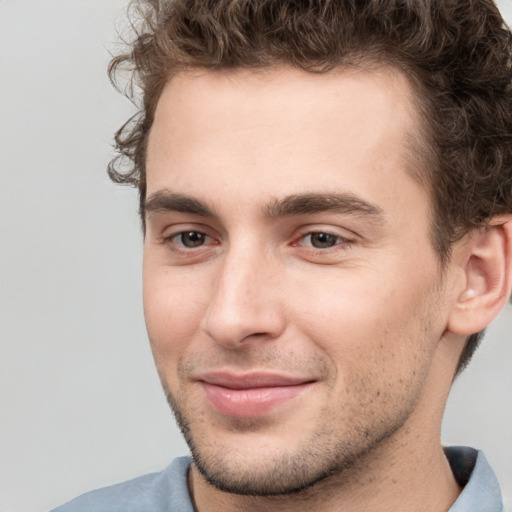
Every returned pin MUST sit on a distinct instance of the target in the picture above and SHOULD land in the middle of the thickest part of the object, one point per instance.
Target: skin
(361, 314)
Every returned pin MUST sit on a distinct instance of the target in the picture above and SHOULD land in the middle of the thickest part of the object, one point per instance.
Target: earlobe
(487, 267)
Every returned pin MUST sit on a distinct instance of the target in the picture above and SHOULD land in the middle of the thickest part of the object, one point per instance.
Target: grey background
(80, 403)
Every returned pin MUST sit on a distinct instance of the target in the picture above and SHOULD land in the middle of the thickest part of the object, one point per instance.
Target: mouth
(250, 395)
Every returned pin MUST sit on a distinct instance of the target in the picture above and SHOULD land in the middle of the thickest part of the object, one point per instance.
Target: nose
(245, 304)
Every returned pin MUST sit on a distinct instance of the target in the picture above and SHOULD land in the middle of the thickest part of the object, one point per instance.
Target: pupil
(192, 239)
(323, 240)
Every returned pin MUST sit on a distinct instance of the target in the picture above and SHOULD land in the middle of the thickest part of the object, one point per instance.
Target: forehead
(260, 131)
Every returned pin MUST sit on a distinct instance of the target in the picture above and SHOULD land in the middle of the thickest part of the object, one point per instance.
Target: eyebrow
(297, 204)
(165, 201)
(344, 203)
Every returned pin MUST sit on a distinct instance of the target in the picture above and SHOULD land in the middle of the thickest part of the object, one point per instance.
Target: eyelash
(171, 240)
(339, 242)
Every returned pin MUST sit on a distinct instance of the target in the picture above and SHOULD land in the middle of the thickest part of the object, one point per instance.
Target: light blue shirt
(167, 491)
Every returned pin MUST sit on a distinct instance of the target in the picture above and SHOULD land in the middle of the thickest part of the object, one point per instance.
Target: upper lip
(251, 380)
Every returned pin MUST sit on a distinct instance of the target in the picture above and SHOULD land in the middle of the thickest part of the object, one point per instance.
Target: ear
(486, 263)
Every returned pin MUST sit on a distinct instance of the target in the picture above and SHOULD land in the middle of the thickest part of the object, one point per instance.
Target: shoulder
(165, 491)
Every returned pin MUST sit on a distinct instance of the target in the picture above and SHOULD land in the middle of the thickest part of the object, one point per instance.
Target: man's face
(292, 296)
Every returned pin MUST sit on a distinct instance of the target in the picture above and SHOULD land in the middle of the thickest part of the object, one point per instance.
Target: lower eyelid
(174, 245)
(340, 239)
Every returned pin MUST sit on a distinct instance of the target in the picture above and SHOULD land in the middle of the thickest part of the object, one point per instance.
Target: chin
(276, 476)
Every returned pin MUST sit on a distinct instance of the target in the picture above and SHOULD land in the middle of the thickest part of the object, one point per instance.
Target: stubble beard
(347, 444)
(316, 461)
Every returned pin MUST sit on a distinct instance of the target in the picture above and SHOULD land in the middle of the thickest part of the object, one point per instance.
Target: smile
(252, 395)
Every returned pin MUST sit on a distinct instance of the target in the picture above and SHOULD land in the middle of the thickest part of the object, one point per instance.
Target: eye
(187, 245)
(190, 239)
(322, 240)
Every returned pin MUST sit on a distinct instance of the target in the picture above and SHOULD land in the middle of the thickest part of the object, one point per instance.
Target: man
(326, 196)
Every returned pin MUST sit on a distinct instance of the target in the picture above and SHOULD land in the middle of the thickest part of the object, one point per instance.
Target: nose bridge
(243, 302)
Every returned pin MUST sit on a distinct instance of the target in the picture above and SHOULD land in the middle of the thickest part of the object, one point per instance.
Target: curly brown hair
(456, 53)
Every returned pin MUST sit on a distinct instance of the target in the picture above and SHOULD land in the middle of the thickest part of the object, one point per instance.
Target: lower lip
(250, 403)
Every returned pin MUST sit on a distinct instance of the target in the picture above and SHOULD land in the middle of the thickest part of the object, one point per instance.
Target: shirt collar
(481, 492)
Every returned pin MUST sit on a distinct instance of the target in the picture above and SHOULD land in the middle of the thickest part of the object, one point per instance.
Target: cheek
(381, 353)
(385, 332)
(173, 310)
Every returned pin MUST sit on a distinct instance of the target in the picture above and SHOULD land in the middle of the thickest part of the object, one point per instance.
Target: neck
(413, 481)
